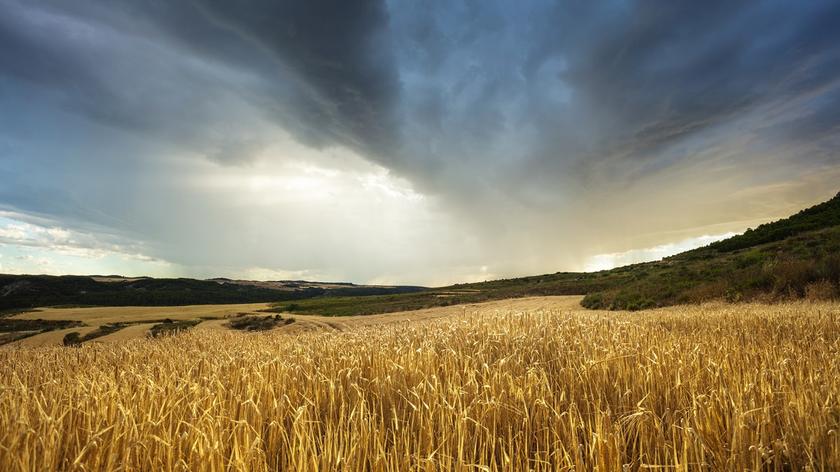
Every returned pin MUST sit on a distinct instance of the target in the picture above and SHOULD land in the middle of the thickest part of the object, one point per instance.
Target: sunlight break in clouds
(635, 256)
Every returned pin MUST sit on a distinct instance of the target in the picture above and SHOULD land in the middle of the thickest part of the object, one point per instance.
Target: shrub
(169, 327)
(703, 292)
(791, 277)
(72, 339)
(830, 268)
(593, 301)
(820, 290)
(750, 258)
(256, 323)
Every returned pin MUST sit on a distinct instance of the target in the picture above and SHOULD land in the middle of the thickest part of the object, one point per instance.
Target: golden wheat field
(711, 387)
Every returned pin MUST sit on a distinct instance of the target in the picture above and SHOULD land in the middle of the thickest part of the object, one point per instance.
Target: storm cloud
(509, 138)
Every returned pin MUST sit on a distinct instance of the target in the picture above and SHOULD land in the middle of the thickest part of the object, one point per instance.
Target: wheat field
(710, 387)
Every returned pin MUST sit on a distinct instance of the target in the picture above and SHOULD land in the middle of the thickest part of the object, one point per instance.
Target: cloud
(339, 53)
(16, 232)
(36, 246)
(572, 84)
(321, 70)
(569, 119)
(540, 133)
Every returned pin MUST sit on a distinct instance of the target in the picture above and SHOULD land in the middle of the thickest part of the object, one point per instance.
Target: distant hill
(791, 258)
(28, 291)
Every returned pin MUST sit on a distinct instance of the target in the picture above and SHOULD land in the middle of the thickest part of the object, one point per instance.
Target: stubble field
(539, 386)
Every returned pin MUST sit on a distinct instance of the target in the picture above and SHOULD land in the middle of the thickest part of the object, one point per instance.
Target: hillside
(795, 257)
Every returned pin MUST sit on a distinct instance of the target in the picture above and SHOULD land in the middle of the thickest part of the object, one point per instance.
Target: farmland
(537, 384)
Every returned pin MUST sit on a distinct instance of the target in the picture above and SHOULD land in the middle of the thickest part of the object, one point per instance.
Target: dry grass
(716, 387)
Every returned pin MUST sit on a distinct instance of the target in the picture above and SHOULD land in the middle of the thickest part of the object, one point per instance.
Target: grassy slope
(791, 258)
(806, 264)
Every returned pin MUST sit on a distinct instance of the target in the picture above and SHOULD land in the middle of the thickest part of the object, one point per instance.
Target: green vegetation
(258, 323)
(169, 327)
(75, 339)
(791, 258)
(72, 339)
(562, 283)
(824, 215)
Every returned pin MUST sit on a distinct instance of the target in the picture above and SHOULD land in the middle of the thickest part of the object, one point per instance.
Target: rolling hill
(794, 257)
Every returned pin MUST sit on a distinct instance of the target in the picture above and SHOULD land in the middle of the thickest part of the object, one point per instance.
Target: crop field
(137, 322)
(536, 384)
(117, 324)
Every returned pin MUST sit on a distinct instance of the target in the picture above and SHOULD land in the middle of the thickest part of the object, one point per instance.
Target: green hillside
(795, 257)
(791, 258)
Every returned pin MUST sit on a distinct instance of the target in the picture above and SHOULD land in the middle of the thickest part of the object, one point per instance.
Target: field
(527, 384)
(136, 322)
(129, 322)
(534, 384)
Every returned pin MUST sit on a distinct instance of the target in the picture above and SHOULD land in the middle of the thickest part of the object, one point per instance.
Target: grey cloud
(320, 69)
(630, 81)
(340, 54)
(666, 73)
(639, 76)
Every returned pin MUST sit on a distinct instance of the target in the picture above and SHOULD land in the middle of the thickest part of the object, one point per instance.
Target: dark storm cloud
(340, 53)
(321, 69)
(664, 72)
(639, 76)
(97, 63)
(34, 57)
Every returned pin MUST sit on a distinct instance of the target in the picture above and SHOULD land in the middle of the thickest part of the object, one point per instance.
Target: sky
(401, 141)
